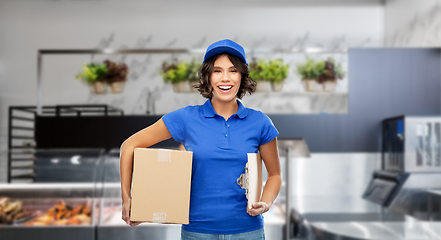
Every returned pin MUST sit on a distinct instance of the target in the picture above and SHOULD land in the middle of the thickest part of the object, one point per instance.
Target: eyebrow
(228, 68)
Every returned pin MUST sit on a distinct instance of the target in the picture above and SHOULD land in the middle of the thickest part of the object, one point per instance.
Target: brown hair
(247, 84)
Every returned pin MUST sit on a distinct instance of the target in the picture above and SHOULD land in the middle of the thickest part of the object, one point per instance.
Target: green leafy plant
(257, 69)
(276, 71)
(272, 71)
(193, 70)
(175, 71)
(332, 71)
(311, 69)
(92, 72)
(116, 72)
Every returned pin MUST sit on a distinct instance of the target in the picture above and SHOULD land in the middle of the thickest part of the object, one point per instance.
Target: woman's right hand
(126, 213)
(147, 137)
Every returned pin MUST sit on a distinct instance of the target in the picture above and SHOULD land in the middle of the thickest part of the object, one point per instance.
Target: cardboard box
(161, 185)
(251, 180)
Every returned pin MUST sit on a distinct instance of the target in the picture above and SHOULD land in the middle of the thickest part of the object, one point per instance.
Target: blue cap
(225, 46)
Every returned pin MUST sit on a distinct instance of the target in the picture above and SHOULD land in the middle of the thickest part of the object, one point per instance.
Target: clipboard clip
(243, 181)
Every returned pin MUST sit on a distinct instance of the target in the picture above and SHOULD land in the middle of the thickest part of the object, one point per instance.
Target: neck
(225, 109)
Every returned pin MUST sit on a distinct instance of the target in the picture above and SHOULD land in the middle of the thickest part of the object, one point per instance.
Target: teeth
(225, 87)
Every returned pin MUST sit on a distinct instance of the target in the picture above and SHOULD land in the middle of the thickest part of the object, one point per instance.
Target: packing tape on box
(164, 155)
(159, 217)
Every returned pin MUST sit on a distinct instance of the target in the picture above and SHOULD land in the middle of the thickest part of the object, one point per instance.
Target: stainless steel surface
(412, 199)
(327, 203)
(49, 190)
(341, 218)
(292, 148)
(434, 205)
(47, 233)
(377, 230)
(328, 175)
(298, 148)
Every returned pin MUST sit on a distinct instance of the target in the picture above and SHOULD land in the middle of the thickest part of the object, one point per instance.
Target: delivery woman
(220, 133)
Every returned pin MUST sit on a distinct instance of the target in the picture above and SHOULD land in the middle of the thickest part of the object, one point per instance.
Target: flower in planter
(93, 74)
(116, 75)
(176, 73)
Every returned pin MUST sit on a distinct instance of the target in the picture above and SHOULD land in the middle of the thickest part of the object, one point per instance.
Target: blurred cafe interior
(360, 151)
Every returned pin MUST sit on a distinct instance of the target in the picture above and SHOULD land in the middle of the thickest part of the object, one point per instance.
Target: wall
(385, 82)
(413, 23)
(27, 26)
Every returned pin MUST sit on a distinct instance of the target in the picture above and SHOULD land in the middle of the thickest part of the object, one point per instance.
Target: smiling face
(225, 80)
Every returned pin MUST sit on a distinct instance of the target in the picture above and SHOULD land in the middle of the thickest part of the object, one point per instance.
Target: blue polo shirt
(217, 203)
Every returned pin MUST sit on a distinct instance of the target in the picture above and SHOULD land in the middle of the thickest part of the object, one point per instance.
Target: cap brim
(224, 49)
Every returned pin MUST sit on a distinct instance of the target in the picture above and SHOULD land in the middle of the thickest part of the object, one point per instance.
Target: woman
(220, 133)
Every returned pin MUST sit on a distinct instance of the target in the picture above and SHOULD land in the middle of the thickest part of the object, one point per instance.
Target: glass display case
(62, 201)
(76, 194)
(110, 224)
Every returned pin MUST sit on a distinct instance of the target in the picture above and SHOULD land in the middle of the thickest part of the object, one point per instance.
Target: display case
(110, 224)
(76, 194)
(62, 202)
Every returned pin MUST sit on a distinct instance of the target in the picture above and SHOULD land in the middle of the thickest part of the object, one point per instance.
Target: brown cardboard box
(161, 185)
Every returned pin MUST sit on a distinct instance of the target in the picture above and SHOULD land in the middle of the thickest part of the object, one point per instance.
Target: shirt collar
(209, 110)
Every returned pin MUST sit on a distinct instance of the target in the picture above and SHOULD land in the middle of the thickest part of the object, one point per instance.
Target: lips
(225, 88)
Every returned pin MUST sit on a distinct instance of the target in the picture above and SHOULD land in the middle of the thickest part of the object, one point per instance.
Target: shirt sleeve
(175, 123)
(269, 131)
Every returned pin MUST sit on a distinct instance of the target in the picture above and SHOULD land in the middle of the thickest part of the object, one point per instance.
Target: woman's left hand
(258, 208)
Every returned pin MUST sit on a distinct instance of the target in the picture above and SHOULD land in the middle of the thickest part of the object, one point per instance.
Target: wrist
(267, 206)
(126, 199)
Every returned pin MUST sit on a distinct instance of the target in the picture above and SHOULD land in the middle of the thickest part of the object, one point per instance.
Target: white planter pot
(277, 87)
(263, 86)
(98, 87)
(191, 84)
(179, 87)
(330, 86)
(117, 87)
(311, 85)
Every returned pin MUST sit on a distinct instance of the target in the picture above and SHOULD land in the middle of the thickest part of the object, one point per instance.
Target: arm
(270, 156)
(146, 137)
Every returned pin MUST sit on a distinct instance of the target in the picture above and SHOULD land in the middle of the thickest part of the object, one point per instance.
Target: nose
(225, 76)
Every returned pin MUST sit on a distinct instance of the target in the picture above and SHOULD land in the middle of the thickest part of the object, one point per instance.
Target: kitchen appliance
(411, 165)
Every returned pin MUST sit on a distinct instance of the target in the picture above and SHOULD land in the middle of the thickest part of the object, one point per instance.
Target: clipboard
(251, 180)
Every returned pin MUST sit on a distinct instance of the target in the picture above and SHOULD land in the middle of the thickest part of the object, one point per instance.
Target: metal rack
(21, 133)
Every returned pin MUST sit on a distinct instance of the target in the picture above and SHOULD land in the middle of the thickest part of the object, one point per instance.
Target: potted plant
(193, 74)
(259, 72)
(276, 72)
(332, 72)
(310, 72)
(116, 75)
(176, 73)
(93, 74)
